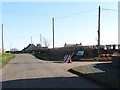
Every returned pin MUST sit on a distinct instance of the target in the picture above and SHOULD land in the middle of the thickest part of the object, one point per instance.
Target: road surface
(26, 71)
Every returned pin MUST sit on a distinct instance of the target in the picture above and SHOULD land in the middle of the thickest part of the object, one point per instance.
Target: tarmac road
(26, 71)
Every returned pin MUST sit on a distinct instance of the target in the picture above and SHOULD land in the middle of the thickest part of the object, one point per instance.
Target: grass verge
(5, 58)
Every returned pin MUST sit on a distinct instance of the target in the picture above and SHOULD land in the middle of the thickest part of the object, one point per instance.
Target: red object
(69, 59)
(105, 57)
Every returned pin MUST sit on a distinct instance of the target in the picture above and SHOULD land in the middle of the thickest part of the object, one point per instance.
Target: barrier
(68, 58)
(105, 57)
(65, 58)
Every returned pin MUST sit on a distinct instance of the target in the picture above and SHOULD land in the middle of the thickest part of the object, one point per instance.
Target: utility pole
(53, 30)
(99, 30)
(10, 47)
(40, 41)
(31, 39)
(31, 42)
(2, 41)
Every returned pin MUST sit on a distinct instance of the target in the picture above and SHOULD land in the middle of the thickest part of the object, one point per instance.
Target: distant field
(5, 58)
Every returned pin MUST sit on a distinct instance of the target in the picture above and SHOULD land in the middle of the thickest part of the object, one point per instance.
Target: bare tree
(46, 42)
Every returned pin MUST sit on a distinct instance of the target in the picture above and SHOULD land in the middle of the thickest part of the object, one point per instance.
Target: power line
(46, 27)
(109, 9)
(75, 14)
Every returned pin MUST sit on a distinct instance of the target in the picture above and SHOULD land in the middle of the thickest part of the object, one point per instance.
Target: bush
(59, 53)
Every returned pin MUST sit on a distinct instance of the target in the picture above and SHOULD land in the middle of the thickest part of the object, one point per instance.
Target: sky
(75, 22)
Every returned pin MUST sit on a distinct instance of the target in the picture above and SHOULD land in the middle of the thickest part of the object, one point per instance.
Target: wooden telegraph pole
(2, 41)
(31, 42)
(40, 41)
(99, 30)
(53, 30)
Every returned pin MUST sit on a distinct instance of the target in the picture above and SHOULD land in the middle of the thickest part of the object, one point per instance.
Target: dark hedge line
(14, 52)
(58, 54)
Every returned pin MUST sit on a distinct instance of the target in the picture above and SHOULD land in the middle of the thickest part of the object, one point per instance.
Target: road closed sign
(80, 53)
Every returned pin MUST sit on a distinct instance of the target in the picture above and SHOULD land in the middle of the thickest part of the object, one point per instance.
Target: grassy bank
(5, 58)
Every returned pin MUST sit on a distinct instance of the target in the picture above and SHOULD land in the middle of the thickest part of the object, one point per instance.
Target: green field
(5, 58)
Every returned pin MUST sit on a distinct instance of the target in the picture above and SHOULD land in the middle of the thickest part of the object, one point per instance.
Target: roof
(29, 47)
(33, 47)
(72, 45)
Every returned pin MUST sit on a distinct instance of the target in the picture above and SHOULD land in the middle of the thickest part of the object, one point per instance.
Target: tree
(38, 45)
(46, 42)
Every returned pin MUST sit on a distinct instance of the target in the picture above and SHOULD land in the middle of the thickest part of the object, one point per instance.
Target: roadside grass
(5, 58)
